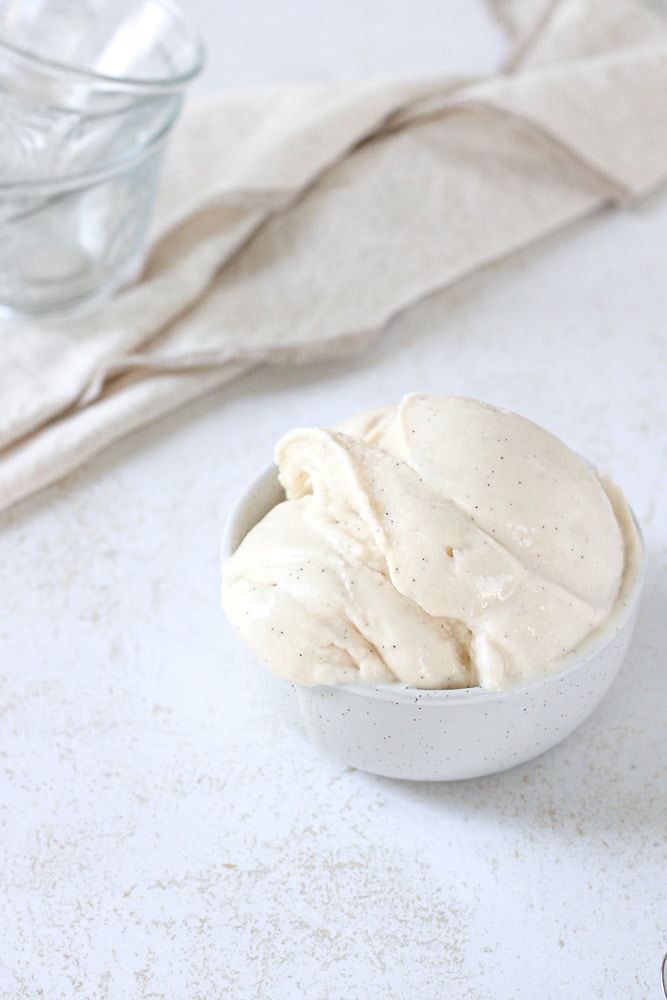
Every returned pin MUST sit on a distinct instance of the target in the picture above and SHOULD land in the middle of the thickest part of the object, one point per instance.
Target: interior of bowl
(265, 492)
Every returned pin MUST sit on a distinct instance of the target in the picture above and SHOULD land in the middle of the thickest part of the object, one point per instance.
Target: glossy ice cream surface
(440, 543)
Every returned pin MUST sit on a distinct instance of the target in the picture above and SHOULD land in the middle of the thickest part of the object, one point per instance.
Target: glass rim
(125, 83)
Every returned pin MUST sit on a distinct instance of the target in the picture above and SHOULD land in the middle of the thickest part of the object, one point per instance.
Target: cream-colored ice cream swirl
(439, 543)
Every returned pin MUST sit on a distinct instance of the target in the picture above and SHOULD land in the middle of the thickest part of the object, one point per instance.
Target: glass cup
(89, 90)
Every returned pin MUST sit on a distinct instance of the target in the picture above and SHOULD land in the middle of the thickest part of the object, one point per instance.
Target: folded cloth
(293, 222)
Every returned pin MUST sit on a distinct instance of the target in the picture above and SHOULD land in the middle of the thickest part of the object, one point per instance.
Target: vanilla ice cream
(439, 543)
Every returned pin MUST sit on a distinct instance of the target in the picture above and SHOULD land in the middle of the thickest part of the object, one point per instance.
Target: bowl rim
(626, 607)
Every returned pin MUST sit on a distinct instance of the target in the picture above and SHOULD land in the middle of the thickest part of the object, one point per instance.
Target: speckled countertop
(161, 835)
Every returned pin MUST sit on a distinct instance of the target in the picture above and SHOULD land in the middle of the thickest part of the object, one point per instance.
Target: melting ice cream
(439, 543)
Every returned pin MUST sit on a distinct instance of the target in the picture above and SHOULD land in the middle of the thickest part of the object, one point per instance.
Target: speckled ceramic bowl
(403, 732)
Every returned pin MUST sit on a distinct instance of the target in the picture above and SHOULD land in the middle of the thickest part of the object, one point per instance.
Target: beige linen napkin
(294, 222)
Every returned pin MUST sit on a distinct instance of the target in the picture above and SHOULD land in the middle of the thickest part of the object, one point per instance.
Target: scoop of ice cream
(439, 543)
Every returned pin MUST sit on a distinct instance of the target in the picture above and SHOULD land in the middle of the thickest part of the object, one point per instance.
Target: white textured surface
(160, 835)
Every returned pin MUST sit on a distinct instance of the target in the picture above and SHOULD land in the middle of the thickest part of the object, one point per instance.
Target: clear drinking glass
(89, 90)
